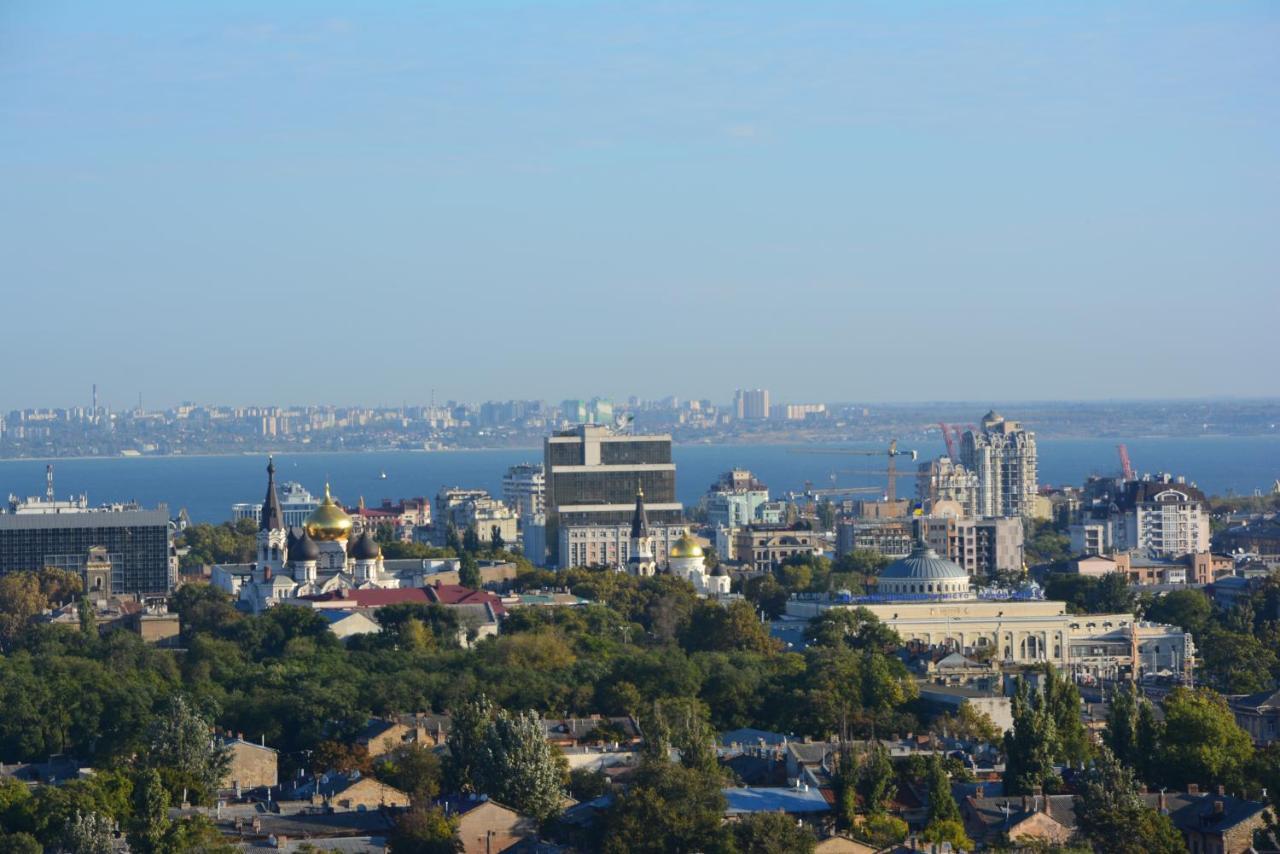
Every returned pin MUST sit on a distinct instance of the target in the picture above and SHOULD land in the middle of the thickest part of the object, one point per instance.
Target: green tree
(767, 594)
(1202, 743)
(20, 843)
(875, 778)
(424, 830)
(496, 543)
(88, 620)
(471, 540)
(1045, 545)
(973, 725)
(1189, 609)
(519, 767)
(20, 600)
(197, 834)
(467, 731)
(852, 628)
(88, 833)
(150, 821)
(1113, 816)
(452, 541)
(951, 831)
(942, 806)
(182, 748)
(1121, 734)
(469, 570)
(669, 809)
(1112, 595)
(735, 626)
(1062, 698)
(414, 770)
(686, 726)
(1029, 747)
(772, 833)
(883, 831)
(586, 784)
(226, 543)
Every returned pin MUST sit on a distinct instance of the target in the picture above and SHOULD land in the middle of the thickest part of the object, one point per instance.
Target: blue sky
(354, 202)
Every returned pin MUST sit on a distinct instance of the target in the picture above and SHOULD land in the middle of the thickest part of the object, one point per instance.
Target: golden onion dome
(328, 521)
(686, 546)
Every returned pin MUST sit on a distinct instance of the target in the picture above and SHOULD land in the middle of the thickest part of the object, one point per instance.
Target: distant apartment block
(797, 411)
(524, 489)
(944, 479)
(472, 508)
(1161, 516)
(1003, 457)
(751, 404)
(738, 499)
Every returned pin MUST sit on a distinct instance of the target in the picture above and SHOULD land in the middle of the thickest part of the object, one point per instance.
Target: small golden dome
(686, 546)
(328, 521)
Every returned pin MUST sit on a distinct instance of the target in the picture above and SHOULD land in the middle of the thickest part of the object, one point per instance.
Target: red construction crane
(1126, 467)
(946, 437)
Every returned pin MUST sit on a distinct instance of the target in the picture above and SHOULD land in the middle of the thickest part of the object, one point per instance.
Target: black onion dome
(366, 548)
(304, 549)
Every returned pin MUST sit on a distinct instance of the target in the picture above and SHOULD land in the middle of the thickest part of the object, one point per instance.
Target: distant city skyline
(327, 201)
(722, 400)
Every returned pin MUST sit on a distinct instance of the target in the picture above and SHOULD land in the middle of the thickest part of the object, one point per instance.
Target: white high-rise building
(1003, 457)
(524, 489)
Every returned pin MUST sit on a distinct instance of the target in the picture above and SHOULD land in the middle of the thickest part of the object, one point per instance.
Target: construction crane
(891, 490)
(1126, 467)
(946, 437)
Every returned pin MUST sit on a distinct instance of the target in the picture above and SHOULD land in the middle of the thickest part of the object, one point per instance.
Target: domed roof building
(686, 560)
(685, 547)
(366, 548)
(328, 522)
(924, 574)
(320, 557)
(303, 549)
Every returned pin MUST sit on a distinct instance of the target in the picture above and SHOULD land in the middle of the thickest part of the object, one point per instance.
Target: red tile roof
(373, 598)
(442, 594)
(456, 594)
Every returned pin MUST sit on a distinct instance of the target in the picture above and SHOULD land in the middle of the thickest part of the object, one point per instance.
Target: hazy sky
(359, 202)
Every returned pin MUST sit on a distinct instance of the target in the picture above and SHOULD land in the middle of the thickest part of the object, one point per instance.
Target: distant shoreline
(767, 441)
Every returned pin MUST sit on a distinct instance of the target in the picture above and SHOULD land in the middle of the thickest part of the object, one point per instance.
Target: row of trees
(178, 761)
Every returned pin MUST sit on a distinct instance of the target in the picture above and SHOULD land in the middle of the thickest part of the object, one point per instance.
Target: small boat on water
(382, 475)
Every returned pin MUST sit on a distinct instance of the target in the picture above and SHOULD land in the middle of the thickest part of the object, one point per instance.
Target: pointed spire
(639, 521)
(272, 518)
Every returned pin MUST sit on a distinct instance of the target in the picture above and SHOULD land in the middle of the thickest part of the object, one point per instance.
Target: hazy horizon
(324, 201)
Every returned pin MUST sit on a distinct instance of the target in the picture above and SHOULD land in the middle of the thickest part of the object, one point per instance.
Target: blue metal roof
(774, 799)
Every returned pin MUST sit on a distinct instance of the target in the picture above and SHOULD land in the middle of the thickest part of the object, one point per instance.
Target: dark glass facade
(136, 540)
(591, 466)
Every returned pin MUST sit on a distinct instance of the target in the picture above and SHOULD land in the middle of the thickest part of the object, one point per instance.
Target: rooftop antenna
(48, 481)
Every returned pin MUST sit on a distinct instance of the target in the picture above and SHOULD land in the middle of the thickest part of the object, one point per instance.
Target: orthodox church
(684, 560)
(320, 557)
